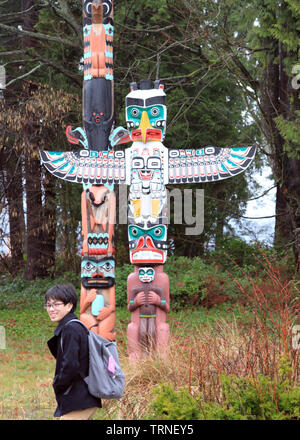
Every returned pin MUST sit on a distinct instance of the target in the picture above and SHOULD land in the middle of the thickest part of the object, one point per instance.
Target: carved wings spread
(86, 166)
(113, 167)
(208, 164)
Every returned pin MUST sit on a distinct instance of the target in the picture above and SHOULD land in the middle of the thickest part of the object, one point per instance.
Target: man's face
(57, 310)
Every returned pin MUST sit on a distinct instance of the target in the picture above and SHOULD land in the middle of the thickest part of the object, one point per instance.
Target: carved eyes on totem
(92, 197)
(149, 272)
(134, 232)
(87, 7)
(152, 163)
(137, 112)
(155, 232)
(155, 111)
(158, 232)
(107, 267)
(106, 7)
(88, 266)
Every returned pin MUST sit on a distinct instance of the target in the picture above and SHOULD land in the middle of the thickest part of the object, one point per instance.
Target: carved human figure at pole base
(148, 302)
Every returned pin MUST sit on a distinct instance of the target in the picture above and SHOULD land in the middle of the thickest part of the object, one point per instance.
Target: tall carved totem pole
(97, 300)
(147, 166)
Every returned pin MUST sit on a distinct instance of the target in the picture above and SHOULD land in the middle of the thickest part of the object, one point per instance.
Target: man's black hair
(65, 293)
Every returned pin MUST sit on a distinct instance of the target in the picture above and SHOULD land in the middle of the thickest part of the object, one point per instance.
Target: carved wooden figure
(148, 301)
(98, 206)
(97, 301)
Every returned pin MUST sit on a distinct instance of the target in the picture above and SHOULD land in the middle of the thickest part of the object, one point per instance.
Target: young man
(69, 346)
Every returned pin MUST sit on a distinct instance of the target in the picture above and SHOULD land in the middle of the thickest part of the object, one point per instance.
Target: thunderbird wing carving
(86, 166)
(208, 164)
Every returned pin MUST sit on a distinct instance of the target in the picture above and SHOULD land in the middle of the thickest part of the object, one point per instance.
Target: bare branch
(13, 14)
(39, 36)
(23, 76)
(11, 52)
(156, 29)
(60, 69)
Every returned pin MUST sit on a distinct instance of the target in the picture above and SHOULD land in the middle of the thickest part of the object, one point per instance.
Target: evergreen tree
(258, 44)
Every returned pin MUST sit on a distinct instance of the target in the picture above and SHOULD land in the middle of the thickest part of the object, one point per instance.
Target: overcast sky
(263, 229)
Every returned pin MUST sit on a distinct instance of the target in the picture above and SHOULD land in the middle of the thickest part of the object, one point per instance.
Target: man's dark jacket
(72, 364)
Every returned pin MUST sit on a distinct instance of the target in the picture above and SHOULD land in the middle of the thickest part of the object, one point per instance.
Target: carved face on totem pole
(98, 204)
(148, 245)
(148, 197)
(146, 112)
(103, 9)
(146, 274)
(97, 273)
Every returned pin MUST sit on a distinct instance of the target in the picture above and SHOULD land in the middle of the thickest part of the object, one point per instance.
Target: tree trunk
(34, 208)
(283, 236)
(275, 101)
(14, 195)
(292, 192)
(49, 225)
(41, 222)
(220, 219)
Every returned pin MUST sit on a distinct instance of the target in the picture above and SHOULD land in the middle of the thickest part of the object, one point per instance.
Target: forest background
(231, 74)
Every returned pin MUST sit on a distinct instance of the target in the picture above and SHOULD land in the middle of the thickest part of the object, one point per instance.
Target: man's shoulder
(74, 325)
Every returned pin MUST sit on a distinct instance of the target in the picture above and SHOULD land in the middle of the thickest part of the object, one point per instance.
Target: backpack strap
(71, 320)
(80, 322)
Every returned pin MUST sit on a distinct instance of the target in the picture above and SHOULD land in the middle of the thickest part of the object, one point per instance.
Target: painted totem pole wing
(86, 166)
(208, 164)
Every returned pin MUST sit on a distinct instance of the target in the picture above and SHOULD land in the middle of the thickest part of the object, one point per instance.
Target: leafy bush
(122, 273)
(187, 280)
(173, 405)
(233, 250)
(194, 282)
(258, 398)
(244, 398)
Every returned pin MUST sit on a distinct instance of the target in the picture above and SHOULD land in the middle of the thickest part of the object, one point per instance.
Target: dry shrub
(197, 362)
(249, 346)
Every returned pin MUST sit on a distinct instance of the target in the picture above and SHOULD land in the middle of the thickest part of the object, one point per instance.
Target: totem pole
(97, 299)
(147, 166)
(148, 287)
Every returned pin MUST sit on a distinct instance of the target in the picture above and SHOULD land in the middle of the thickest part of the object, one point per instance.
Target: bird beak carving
(144, 125)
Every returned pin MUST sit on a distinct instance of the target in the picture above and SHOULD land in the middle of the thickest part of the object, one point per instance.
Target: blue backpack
(106, 379)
